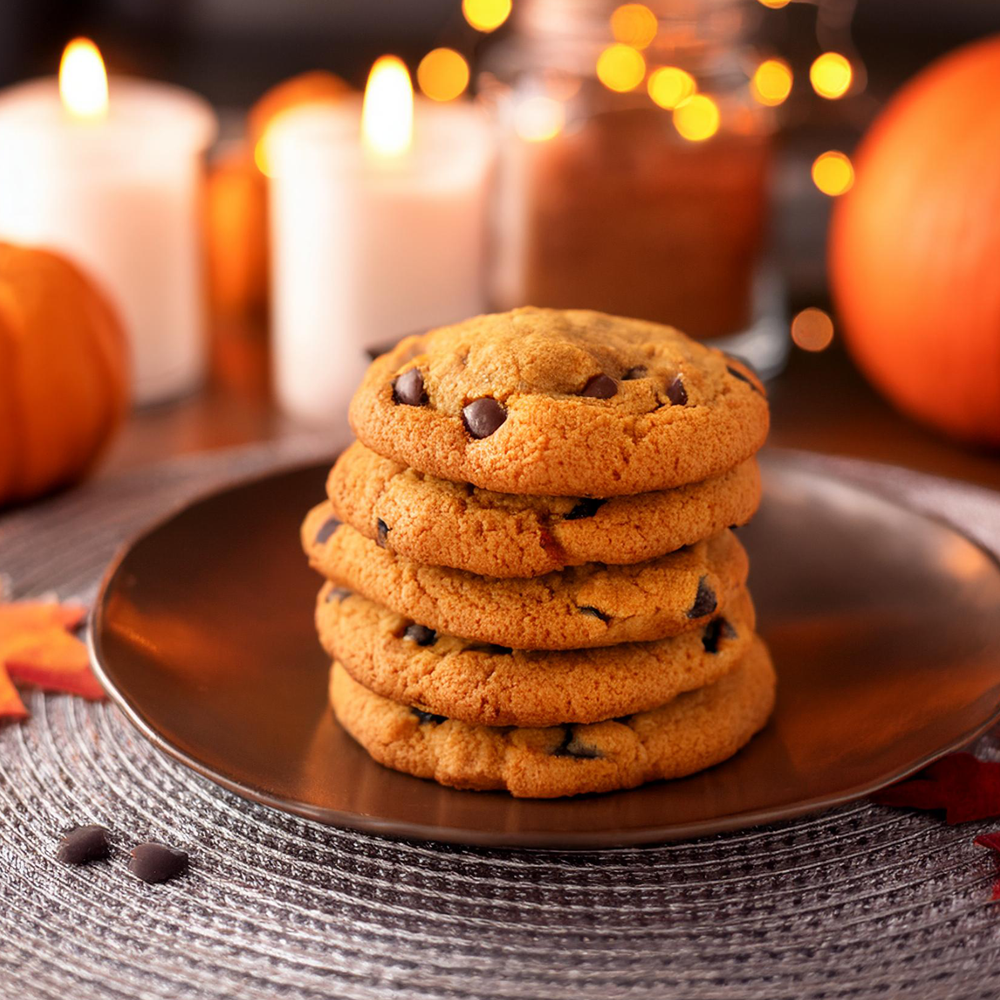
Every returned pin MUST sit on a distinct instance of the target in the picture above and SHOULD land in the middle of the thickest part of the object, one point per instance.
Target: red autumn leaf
(11, 706)
(964, 786)
(991, 841)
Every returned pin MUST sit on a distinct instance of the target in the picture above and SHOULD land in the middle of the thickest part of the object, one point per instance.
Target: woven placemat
(859, 902)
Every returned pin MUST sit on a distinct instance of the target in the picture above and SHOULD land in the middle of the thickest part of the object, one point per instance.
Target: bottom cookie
(692, 732)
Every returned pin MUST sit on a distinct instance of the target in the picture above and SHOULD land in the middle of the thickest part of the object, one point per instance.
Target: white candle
(118, 190)
(370, 240)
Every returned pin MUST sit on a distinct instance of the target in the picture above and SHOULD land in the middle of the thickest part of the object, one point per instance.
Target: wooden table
(820, 403)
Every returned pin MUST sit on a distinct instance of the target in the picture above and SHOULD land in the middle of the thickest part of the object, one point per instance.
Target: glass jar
(602, 202)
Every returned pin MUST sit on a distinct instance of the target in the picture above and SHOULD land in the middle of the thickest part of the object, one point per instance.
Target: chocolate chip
(594, 613)
(489, 647)
(337, 594)
(156, 862)
(429, 716)
(633, 373)
(715, 631)
(704, 601)
(600, 387)
(676, 392)
(381, 532)
(572, 747)
(587, 507)
(420, 634)
(408, 388)
(483, 416)
(736, 373)
(83, 844)
(326, 529)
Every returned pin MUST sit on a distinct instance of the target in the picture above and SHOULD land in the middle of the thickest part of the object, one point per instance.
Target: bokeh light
(771, 82)
(621, 68)
(812, 330)
(486, 15)
(831, 75)
(669, 86)
(833, 172)
(443, 74)
(634, 24)
(539, 118)
(697, 118)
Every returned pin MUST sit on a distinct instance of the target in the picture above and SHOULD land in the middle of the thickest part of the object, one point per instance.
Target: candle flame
(387, 111)
(83, 82)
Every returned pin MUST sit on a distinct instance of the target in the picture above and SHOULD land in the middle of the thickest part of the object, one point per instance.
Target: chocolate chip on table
(587, 507)
(337, 594)
(156, 862)
(326, 529)
(381, 533)
(676, 392)
(639, 371)
(705, 601)
(483, 416)
(420, 634)
(83, 844)
(715, 631)
(594, 613)
(429, 716)
(408, 388)
(572, 747)
(600, 387)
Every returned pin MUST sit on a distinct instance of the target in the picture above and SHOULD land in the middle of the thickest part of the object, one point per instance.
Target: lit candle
(110, 175)
(378, 212)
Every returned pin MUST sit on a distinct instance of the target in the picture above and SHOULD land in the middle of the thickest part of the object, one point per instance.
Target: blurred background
(680, 160)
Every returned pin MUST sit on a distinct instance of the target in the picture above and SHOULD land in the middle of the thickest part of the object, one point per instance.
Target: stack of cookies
(532, 581)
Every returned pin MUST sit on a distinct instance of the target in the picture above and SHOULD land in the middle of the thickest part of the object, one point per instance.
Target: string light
(833, 173)
(486, 15)
(771, 82)
(634, 24)
(537, 119)
(812, 330)
(620, 68)
(697, 118)
(669, 86)
(831, 75)
(443, 74)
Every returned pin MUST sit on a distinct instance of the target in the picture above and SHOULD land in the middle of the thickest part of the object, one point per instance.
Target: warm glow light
(443, 74)
(620, 68)
(697, 118)
(772, 82)
(486, 15)
(775, 4)
(539, 118)
(634, 24)
(833, 173)
(669, 86)
(812, 330)
(83, 83)
(387, 111)
(830, 75)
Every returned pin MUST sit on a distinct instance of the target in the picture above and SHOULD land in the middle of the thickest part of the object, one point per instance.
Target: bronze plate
(884, 625)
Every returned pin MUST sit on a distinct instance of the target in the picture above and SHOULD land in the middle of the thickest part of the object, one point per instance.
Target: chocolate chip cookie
(565, 403)
(694, 731)
(441, 523)
(498, 686)
(590, 605)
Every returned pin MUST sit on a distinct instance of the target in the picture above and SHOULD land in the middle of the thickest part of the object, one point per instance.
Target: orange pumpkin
(915, 247)
(64, 373)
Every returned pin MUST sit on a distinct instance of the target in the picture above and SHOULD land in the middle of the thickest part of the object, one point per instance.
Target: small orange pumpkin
(64, 373)
(915, 247)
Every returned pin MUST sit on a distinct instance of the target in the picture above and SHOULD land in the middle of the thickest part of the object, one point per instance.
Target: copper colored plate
(884, 625)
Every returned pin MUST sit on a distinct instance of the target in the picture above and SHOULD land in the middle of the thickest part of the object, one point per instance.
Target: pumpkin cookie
(441, 523)
(496, 686)
(591, 605)
(694, 731)
(567, 403)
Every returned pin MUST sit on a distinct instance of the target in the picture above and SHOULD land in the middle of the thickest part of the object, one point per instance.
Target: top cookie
(561, 403)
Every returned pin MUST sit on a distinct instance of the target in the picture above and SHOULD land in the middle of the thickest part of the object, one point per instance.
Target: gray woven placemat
(859, 902)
